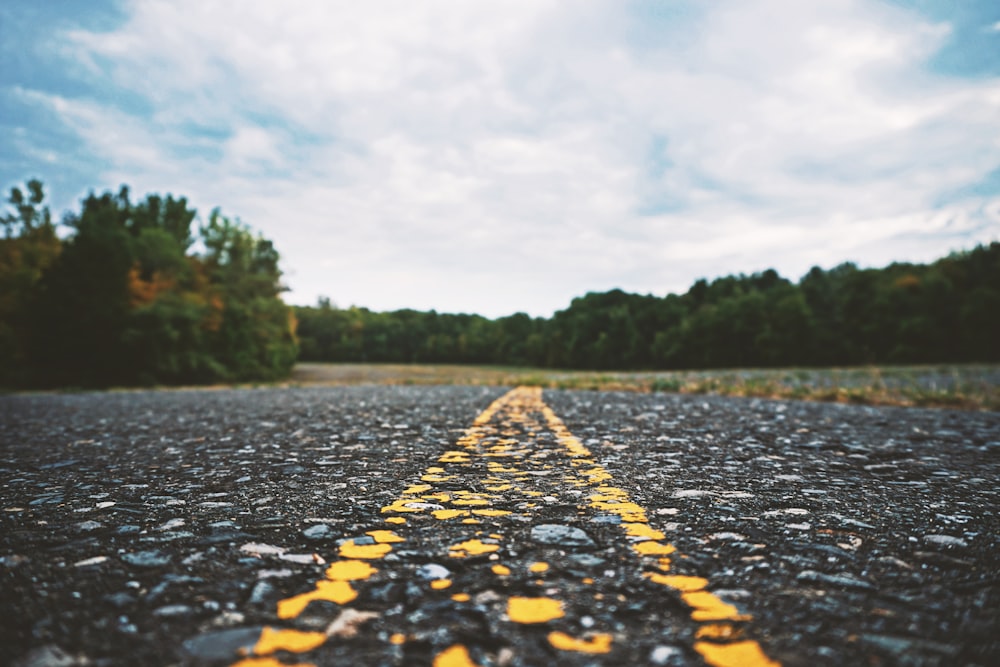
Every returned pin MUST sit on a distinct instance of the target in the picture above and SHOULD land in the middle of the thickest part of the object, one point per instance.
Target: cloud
(497, 156)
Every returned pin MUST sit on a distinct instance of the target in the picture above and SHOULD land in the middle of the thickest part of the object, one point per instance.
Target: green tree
(30, 245)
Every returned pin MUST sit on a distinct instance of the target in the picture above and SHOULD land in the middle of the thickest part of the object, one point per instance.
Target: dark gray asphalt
(165, 527)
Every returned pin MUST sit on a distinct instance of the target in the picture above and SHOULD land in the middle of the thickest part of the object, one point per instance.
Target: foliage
(948, 311)
(123, 300)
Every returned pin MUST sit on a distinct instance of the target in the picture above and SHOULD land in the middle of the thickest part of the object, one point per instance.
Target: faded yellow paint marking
(455, 656)
(294, 641)
(471, 548)
(349, 570)
(441, 584)
(400, 505)
(599, 643)
(339, 592)
(471, 521)
(397, 639)
(678, 582)
(735, 654)
(642, 530)
(723, 632)
(587, 580)
(511, 465)
(708, 607)
(268, 661)
(533, 610)
(384, 536)
(351, 550)
(652, 548)
(538, 567)
(705, 606)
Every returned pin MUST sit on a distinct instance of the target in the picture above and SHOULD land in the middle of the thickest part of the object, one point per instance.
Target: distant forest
(124, 300)
(129, 294)
(945, 312)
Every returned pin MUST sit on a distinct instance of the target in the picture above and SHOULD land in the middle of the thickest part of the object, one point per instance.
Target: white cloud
(494, 156)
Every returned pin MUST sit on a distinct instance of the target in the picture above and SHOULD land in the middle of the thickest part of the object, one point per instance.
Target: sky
(500, 156)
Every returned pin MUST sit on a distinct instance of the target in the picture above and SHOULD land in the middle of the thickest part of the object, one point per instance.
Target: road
(455, 526)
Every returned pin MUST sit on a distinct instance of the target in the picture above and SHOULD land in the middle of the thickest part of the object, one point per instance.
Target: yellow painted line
(455, 656)
(533, 610)
(501, 442)
(599, 643)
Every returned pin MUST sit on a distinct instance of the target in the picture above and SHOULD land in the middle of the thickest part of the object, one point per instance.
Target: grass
(967, 387)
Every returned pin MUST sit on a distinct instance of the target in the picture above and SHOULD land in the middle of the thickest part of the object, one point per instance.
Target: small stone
(836, 580)
(87, 526)
(173, 611)
(261, 593)
(150, 558)
(431, 571)
(96, 560)
(274, 574)
(946, 541)
(851, 523)
(347, 623)
(691, 493)
(726, 536)
(561, 535)
(259, 549)
(666, 655)
(303, 559)
(224, 645)
(317, 532)
(49, 655)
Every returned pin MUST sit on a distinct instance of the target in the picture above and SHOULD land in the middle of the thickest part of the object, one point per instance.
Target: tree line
(129, 294)
(944, 312)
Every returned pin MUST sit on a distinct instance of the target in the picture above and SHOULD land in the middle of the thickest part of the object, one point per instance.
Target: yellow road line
(502, 443)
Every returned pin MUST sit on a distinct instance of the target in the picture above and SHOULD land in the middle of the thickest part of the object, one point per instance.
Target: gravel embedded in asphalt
(165, 528)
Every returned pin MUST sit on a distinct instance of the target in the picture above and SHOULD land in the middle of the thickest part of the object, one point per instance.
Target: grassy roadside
(968, 387)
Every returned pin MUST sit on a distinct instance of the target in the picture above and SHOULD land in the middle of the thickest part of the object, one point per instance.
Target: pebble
(87, 526)
(837, 580)
(430, 571)
(561, 535)
(691, 493)
(173, 611)
(96, 560)
(667, 656)
(726, 536)
(946, 541)
(49, 655)
(317, 532)
(151, 558)
(224, 645)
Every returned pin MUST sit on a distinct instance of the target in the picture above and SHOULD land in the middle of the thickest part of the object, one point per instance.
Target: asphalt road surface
(456, 526)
